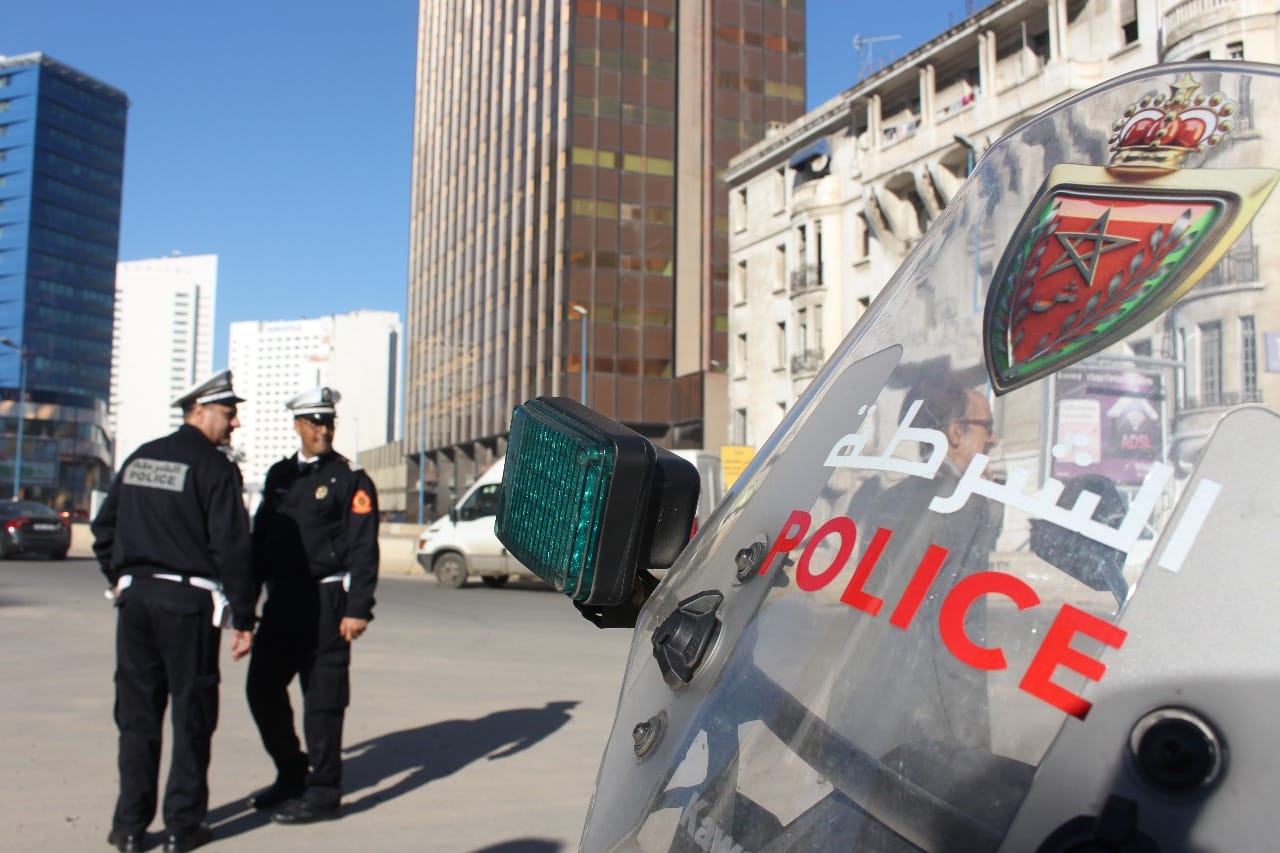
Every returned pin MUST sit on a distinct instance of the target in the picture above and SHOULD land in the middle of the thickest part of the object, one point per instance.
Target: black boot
(290, 783)
(281, 792)
(303, 811)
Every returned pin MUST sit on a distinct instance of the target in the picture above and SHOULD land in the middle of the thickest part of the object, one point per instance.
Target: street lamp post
(422, 458)
(582, 312)
(22, 396)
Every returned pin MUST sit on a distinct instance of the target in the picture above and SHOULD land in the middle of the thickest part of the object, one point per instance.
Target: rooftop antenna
(865, 48)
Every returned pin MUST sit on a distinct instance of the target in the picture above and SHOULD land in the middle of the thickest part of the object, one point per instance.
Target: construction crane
(865, 48)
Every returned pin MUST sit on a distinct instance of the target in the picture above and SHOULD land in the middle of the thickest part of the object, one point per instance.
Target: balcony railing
(807, 363)
(1191, 15)
(805, 278)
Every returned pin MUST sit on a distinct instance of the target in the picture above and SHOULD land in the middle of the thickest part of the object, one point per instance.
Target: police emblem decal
(1102, 251)
(322, 492)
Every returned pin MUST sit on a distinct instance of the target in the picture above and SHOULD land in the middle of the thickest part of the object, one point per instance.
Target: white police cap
(216, 389)
(315, 404)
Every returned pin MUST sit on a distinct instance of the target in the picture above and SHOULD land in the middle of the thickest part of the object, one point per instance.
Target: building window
(863, 238)
(802, 330)
(740, 209)
(780, 189)
(780, 267)
(740, 426)
(817, 248)
(1210, 363)
(802, 245)
(740, 283)
(1129, 20)
(781, 342)
(1235, 50)
(741, 360)
(1248, 359)
(817, 327)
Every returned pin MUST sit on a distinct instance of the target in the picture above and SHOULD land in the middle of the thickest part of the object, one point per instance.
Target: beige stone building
(826, 208)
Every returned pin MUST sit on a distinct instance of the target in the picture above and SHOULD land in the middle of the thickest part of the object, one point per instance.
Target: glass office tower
(566, 180)
(61, 167)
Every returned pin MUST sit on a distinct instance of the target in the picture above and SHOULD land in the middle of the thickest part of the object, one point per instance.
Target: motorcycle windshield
(929, 572)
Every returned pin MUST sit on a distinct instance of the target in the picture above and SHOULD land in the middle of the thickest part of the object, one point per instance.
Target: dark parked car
(27, 527)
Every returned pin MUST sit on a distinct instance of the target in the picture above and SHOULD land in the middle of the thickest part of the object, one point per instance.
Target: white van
(712, 488)
(462, 544)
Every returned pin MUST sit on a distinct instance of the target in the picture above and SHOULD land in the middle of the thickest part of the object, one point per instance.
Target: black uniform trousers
(166, 645)
(299, 636)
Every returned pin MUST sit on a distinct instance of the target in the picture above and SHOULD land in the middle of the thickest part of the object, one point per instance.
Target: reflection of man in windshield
(882, 709)
(971, 433)
(903, 698)
(940, 698)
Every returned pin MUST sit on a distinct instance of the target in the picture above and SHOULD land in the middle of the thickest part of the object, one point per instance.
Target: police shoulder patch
(361, 504)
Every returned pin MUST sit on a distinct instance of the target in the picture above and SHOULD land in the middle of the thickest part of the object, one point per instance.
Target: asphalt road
(477, 723)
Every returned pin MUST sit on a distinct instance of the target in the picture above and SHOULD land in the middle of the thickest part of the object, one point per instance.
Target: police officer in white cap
(315, 545)
(172, 539)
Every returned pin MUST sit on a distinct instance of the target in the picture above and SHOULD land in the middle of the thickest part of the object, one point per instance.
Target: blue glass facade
(62, 138)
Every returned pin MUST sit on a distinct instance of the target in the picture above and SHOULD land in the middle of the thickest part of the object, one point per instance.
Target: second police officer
(315, 546)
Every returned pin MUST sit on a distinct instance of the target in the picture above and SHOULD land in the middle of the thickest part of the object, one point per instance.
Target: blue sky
(277, 134)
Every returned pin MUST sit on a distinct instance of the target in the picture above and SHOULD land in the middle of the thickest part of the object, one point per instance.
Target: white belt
(339, 577)
(221, 606)
(203, 583)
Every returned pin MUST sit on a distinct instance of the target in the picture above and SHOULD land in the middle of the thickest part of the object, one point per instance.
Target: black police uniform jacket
(177, 506)
(315, 521)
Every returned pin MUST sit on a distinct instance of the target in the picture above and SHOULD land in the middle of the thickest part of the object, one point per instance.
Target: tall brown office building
(566, 176)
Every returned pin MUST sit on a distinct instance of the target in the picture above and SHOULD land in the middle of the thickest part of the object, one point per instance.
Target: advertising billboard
(1110, 421)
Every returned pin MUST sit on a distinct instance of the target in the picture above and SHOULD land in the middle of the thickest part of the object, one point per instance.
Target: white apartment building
(358, 354)
(162, 343)
(826, 208)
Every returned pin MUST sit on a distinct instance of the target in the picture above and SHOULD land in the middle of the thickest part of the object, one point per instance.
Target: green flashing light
(579, 497)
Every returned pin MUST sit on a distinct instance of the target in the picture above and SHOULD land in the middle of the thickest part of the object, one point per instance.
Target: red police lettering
(926, 572)
(784, 542)
(853, 593)
(1056, 650)
(956, 607)
(841, 526)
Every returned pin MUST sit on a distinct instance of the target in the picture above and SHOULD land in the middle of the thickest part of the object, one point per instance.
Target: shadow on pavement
(524, 584)
(523, 845)
(425, 753)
